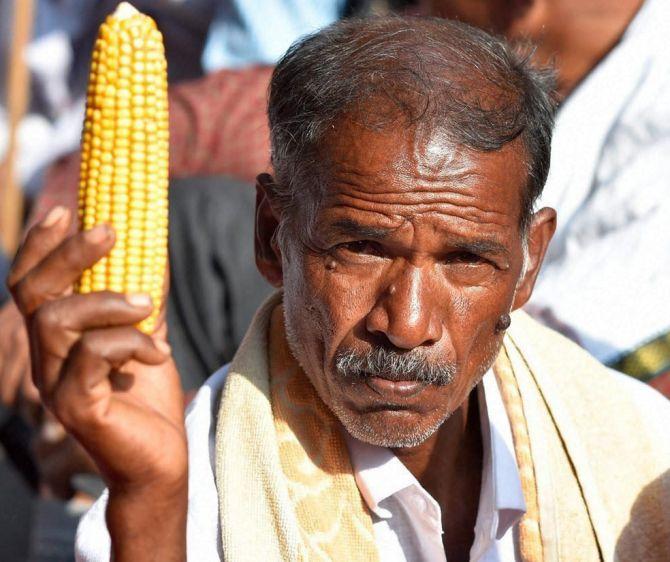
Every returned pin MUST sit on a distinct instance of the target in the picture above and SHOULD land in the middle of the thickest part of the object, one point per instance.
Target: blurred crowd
(604, 283)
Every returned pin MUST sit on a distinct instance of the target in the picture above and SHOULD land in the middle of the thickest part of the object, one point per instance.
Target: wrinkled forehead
(419, 157)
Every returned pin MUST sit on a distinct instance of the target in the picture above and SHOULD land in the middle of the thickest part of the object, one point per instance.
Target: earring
(503, 322)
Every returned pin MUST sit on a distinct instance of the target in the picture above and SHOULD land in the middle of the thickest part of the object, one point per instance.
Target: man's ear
(268, 255)
(541, 230)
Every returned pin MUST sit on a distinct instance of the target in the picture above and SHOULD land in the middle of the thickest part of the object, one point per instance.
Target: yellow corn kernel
(124, 168)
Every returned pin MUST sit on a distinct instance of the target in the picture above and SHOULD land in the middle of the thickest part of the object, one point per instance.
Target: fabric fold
(583, 446)
(285, 483)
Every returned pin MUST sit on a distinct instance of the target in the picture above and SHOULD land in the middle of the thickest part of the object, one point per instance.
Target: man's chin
(388, 428)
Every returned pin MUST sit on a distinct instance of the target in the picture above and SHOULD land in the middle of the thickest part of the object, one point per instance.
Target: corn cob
(124, 166)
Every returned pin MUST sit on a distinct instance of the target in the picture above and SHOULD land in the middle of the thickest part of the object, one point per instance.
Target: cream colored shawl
(596, 486)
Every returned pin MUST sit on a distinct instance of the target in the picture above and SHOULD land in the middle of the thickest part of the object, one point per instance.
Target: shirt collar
(380, 474)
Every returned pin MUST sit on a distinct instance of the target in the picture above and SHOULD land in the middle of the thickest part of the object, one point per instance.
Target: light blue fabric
(247, 32)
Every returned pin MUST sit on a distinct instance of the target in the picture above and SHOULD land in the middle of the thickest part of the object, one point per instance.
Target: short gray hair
(482, 92)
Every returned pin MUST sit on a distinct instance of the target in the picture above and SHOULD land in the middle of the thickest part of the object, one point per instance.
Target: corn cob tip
(125, 10)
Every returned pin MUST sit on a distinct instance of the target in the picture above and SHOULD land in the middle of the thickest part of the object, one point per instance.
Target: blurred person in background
(606, 276)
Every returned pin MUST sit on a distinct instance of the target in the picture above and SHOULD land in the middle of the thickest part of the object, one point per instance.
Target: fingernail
(163, 346)
(98, 233)
(53, 216)
(140, 300)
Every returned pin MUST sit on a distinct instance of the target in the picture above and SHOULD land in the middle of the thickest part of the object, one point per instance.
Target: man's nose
(408, 313)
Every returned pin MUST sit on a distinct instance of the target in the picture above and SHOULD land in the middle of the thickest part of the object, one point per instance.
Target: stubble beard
(374, 428)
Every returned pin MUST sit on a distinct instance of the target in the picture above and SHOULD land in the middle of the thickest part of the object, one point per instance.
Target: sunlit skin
(417, 247)
(573, 35)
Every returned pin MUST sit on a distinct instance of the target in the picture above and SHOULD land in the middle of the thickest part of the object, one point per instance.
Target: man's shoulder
(613, 430)
(562, 367)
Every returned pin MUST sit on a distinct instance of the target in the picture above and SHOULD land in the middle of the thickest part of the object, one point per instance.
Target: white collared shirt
(406, 519)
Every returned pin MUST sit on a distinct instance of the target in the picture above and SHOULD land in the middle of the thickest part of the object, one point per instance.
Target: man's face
(415, 253)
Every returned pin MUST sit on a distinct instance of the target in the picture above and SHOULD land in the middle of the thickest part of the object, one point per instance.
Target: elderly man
(376, 409)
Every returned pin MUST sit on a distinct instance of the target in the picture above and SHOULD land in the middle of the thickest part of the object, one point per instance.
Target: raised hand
(111, 386)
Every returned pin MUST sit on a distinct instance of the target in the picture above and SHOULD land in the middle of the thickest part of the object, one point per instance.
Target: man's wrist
(148, 522)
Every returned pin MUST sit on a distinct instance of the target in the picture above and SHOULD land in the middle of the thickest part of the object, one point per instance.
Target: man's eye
(465, 258)
(361, 247)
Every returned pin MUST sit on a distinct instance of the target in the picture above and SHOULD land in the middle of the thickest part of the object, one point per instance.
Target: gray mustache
(394, 366)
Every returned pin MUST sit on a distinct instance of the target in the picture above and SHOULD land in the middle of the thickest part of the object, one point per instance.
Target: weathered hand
(114, 388)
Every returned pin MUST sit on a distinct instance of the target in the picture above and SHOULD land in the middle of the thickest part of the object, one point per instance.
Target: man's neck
(576, 34)
(449, 466)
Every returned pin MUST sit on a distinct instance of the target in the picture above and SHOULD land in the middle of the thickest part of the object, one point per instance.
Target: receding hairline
(428, 68)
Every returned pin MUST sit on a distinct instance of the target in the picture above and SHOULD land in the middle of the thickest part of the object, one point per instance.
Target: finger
(29, 403)
(79, 312)
(13, 359)
(94, 358)
(10, 380)
(62, 267)
(41, 239)
(57, 325)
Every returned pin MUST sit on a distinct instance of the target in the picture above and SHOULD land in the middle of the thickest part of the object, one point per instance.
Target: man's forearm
(148, 524)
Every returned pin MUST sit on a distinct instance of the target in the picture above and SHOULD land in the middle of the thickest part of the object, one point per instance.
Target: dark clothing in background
(215, 286)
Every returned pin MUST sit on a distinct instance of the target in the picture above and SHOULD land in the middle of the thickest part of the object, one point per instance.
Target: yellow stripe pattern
(530, 537)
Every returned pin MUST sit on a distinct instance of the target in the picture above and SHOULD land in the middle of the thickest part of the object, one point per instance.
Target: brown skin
(116, 390)
(16, 387)
(575, 34)
(399, 258)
